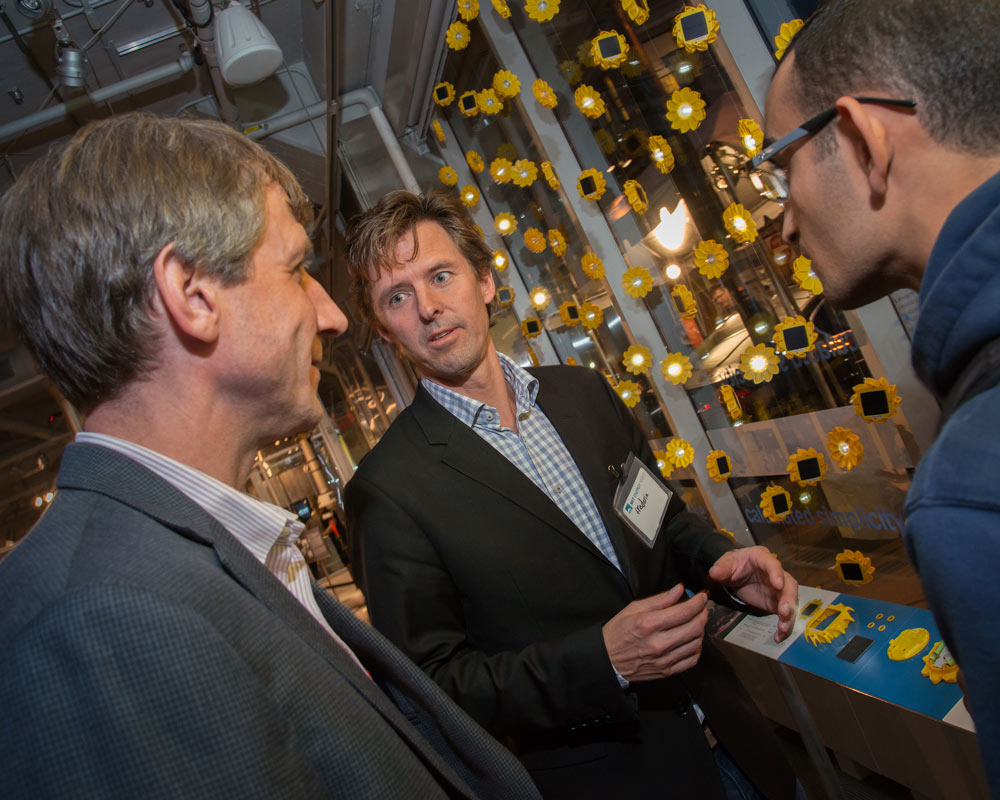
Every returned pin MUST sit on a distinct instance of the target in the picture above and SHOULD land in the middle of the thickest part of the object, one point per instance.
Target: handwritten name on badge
(641, 500)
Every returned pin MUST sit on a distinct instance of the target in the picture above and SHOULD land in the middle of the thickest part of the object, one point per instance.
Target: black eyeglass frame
(813, 124)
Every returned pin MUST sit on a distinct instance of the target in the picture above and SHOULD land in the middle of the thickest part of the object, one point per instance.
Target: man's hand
(756, 578)
(657, 636)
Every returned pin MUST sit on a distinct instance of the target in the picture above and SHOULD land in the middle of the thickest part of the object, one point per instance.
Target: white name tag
(641, 500)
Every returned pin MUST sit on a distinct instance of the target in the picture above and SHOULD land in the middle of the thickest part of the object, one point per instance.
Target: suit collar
(462, 449)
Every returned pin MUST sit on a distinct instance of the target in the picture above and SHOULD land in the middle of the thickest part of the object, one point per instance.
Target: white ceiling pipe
(366, 97)
(140, 81)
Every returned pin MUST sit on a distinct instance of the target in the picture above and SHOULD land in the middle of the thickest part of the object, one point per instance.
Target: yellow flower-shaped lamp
(505, 223)
(470, 195)
(447, 176)
(637, 281)
(795, 337)
(505, 296)
(827, 623)
(775, 503)
(854, 567)
(908, 643)
(544, 94)
(468, 9)
(637, 359)
(751, 136)
(531, 327)
(592, 266)
(525, 172)
(458, 36)
(759, 363)
(662, 464)
(468, 104)
(629, 392)
(660, 153)
(695, 28)
(571, 71)
(557, 242)
(719, 466)
(805, 277)
(508, 151)
(679, 452)
(784, 38)
(534, 240)
(475, 161)
(939, 665)
(569, 313)
(806, 467)
(591, 184)
(739, 223)
(591, 315)
(540, 297)
(731, 402)
(502, 170)
(637, 10)
(541, 10)
(676, 368)
(636, 196)
(684, 301)
(685, 110)
(489, 102)
(438, 130)
(876, 399)
(506, 84)
(608, 49)
(444, 94)
(500, 260)
(589, 101)
(845, 447)
(605, 141)
(711, 258)
(550, 175)
(502, 9)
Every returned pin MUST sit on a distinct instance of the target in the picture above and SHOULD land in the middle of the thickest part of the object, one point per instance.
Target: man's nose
(428, 304)
(330, 320)
(789, 227)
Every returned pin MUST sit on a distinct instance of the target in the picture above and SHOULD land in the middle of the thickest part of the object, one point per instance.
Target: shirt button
(559, 490)
(489, 418)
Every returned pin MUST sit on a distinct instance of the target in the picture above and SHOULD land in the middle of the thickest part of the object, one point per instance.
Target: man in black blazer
(160, 636)
(485, 539)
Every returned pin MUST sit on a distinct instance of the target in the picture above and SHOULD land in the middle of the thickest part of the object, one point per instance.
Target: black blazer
(146, 653)
(486, 584)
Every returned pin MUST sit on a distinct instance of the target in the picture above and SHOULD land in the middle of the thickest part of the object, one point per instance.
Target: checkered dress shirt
(535, 449)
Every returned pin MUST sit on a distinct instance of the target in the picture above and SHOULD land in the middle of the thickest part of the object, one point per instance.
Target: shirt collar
(255, 524)
(474, 412)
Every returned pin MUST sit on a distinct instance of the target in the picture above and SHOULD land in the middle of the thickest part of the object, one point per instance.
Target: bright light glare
(672, 229)
(758, 363)
(844, 448)
(541, 299)
(739, 223)
(674, 369)
(673, 272)
(805, 497)
(749, 142)
(637, 359)
(685, 110)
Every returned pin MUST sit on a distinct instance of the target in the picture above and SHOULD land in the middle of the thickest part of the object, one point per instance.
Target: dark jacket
(486, 584)
(146, 653)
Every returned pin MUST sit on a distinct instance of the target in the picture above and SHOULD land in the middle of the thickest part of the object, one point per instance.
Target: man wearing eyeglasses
(894, 181)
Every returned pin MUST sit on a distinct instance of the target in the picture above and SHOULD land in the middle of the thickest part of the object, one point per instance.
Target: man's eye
(396, 299)
(441, 277)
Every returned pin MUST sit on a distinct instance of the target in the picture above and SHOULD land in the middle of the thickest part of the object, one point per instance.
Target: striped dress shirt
(267, 531)
(535, 449)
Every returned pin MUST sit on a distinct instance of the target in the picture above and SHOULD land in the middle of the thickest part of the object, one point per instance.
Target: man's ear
(872, 147)
(189, 297)
(488, 287)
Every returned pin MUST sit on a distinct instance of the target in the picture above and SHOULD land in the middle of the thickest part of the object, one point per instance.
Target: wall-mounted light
(246, 49)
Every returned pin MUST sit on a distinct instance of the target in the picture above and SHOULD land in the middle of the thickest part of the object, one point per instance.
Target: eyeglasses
(772, 181)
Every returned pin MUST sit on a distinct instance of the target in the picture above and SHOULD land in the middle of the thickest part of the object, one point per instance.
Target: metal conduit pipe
(204, 21)
(140, 81)
(268, 126)
(366, 97)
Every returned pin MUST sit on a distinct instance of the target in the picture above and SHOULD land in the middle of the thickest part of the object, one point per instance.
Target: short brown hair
(372, 237)
(81, 228)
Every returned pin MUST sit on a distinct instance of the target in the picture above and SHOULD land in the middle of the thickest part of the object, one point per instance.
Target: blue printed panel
(873, 672)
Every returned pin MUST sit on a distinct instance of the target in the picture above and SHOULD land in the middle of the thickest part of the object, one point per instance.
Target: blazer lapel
(107, 472)
(462, 449)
